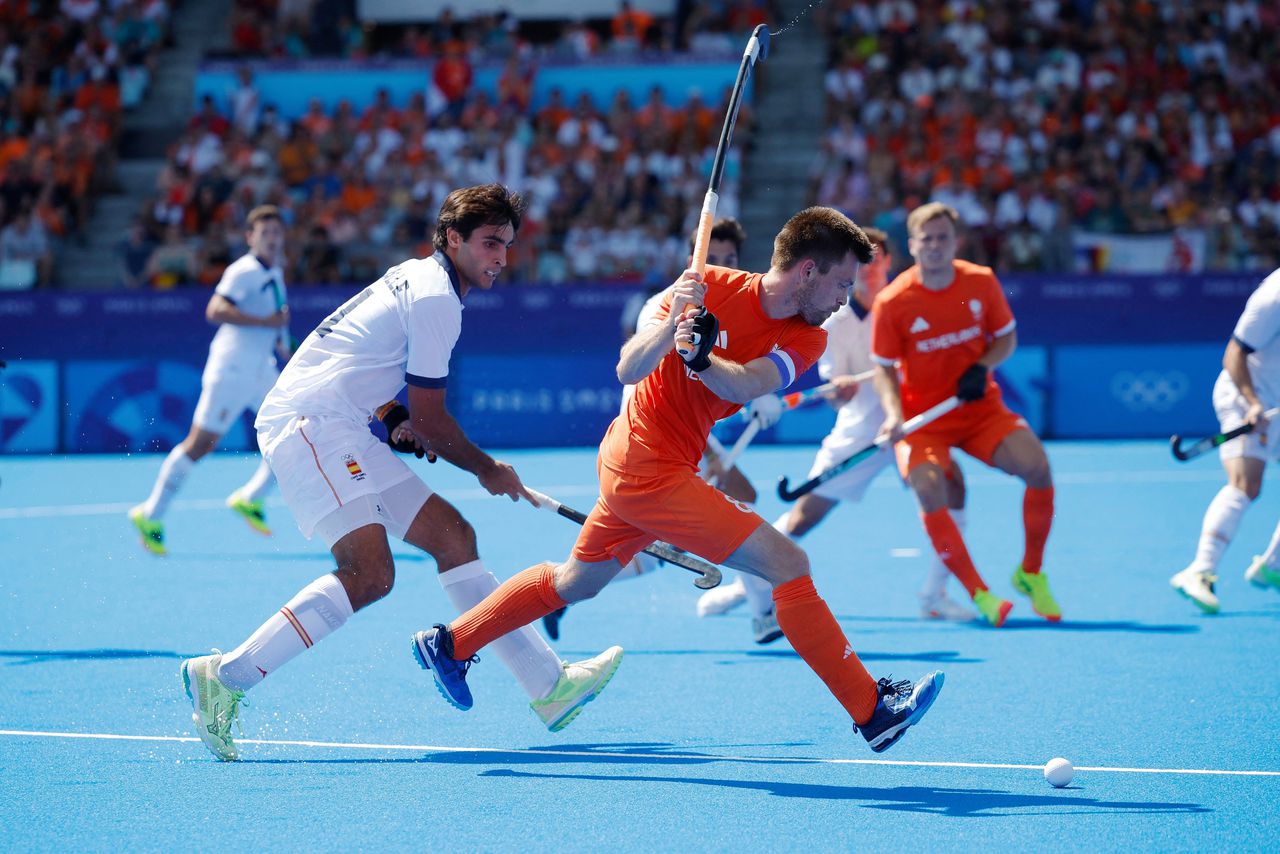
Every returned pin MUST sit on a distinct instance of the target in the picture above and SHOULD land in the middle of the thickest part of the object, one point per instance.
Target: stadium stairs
(789, 111)
(147, 132)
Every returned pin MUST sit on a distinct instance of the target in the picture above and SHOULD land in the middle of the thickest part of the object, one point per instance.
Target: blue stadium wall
(1099, 357)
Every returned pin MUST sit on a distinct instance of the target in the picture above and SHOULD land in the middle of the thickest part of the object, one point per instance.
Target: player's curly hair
(468, 208)
(262, 213)
(823, 234)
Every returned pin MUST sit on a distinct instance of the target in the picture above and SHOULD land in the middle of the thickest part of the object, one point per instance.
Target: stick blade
(1175, 446)
(761, 35)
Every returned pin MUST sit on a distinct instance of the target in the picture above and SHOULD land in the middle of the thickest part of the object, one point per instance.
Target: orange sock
(807, 622)
(518, 601)
(950, 547)
(1037, 518)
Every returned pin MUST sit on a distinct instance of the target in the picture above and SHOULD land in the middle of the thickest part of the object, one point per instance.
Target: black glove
(973, 382)
(705, 331)
(392, 416)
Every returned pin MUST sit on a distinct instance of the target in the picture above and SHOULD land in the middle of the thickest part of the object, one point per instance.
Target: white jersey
(650, 313)
(849, 352)
(258, 291)
(401, 329)
(1259, 330)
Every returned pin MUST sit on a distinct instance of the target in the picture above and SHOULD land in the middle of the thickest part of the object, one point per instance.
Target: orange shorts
(677, 507)
(976, 428)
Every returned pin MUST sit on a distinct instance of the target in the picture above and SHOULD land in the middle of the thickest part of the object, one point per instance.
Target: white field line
(120, 508)
(605, 754)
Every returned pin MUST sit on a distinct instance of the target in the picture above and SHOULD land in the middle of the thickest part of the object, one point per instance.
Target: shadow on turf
(745, 656)
(44, 656)
(243, 557)
(1018, 623)
(957, 803)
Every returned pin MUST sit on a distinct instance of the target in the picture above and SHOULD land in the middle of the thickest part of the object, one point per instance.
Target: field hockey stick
(1208, 443)
(708, 575)
(797, 399)
(839, 468)
(757, 49)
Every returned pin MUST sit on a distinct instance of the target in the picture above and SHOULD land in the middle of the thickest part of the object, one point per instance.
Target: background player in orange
(947, 325)
(764, 331)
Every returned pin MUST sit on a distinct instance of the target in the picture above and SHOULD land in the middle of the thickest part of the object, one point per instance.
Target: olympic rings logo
(1152, 391)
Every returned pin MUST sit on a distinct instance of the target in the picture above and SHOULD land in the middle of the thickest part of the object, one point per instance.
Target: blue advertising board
(29, 407)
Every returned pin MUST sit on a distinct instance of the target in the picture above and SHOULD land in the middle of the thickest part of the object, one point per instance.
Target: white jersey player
(349, 488)
(1247, 387)
(858, 421)
(250, 307)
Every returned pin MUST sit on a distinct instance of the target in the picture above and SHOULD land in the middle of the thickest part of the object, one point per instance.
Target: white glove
(765, 410)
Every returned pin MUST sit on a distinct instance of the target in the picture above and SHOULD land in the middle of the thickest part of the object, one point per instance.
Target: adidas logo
(921, 325)
(848, 651)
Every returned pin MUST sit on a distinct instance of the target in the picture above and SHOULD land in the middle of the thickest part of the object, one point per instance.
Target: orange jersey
(667, 419)
(936, 335)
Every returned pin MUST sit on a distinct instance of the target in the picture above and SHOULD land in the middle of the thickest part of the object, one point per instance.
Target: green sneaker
(1262, 575)
(992, 607)
(1036, 586)
(151, 531)
(216, 706)
(580, 683)
(251, 512)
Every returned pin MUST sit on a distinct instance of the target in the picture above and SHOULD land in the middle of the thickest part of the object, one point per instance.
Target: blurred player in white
(1248, 385)
(858, 422)
(251, 310)
(348, 487)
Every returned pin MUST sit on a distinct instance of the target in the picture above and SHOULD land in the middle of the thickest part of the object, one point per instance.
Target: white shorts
(336, 476)
(838, 446)
(226, 394)
(1230, 406)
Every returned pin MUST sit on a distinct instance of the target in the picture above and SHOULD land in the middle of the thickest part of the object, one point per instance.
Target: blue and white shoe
(901, 706)
(434, 651)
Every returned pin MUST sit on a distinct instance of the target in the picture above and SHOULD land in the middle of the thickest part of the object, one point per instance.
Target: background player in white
(348, 487)
(858, 422)
(1248, 385)
(250, 307)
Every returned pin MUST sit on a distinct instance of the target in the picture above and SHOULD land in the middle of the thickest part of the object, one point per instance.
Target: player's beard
(809, 309)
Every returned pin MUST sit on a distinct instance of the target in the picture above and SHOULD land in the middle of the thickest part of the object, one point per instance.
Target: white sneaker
(1262, 575)
(1198, 587)
(580, 682)
(215, 706)
(943, 607)
(765, 628)
(719, 600)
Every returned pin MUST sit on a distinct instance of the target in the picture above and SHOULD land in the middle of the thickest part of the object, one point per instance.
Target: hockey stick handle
(757, 48)
(912, 425)
(1208, 443)
(708, 575)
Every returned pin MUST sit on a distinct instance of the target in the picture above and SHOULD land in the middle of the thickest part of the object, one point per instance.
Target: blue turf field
(702, 740)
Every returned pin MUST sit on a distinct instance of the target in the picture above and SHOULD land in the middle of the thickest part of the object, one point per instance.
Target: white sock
(173, 471)
(319, 609)
(258, 484)
(935, 584)
(1220, 523)
(534, 664)
(1272, 554)
(641, 564)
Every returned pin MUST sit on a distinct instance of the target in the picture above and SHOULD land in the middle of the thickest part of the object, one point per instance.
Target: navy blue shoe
(901, 706)
(434, 651)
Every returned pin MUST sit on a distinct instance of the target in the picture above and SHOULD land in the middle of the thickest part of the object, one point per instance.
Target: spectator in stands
(134, 252)
(25, 250)
(172, 263)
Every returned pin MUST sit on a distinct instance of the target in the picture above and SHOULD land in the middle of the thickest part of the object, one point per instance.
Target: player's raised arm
(222, 310)
(732, 381)
(642, 353)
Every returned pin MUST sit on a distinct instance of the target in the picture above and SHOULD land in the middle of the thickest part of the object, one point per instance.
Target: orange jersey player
(947, 325)
(748, 335)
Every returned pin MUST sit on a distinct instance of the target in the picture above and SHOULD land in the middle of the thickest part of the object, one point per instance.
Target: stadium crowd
(1041, 117)
(1035, 119)
(67, 70)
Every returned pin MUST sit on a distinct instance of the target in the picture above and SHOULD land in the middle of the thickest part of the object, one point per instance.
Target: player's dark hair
(262, 213)
(928, 213)
(823, 234)
(726, 228)
(468, 208)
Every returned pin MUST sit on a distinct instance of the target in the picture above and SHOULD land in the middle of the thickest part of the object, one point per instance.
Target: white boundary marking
(609, 754)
